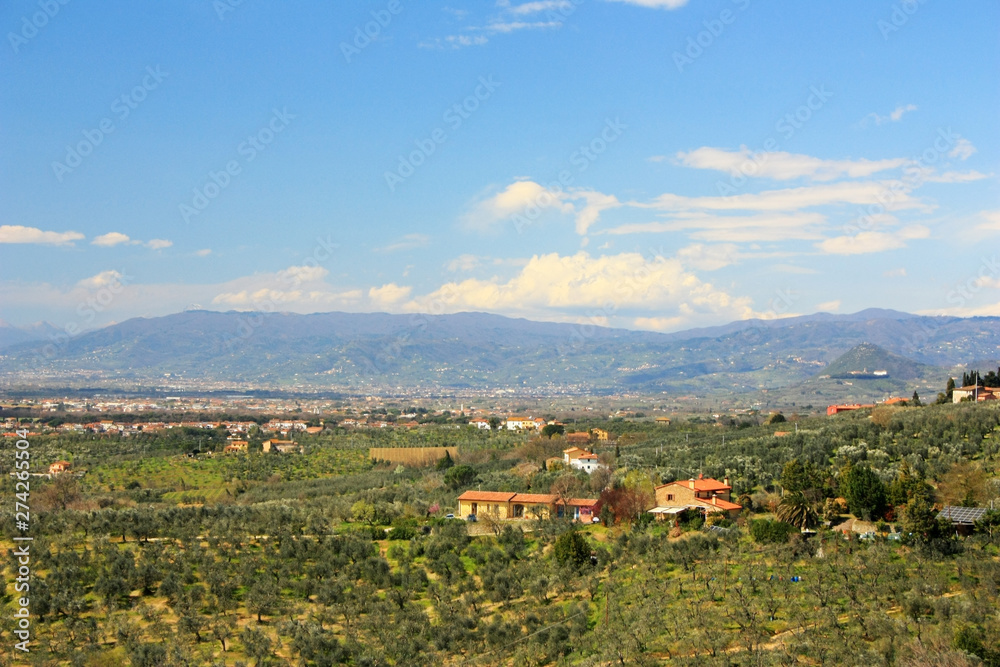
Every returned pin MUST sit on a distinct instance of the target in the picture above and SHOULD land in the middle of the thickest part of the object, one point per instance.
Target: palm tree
(797, 511)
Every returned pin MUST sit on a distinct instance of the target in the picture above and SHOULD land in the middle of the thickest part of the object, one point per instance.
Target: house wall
(479, 508)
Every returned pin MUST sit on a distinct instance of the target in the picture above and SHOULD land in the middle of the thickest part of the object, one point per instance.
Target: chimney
(713, 499)
(691, 482)
(700, 476)
(725, 480)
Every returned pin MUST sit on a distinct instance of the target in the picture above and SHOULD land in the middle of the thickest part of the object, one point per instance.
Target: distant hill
(379, 351)
(867, 361)
(11, 335)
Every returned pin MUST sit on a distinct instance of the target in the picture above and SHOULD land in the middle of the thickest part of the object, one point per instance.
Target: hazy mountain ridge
(479, 350)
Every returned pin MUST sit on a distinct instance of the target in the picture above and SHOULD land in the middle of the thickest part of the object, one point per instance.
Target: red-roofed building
(836, 409)
(59, 467)
(504, 505)
(704, 494)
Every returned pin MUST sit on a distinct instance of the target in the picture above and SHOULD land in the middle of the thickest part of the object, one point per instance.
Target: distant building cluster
(975, 393)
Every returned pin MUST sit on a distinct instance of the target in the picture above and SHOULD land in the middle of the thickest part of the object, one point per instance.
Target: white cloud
(463, 263)
(111, 239)
(204, 252)
(22, 234)
(955, 177)
(895, 273)
(550, 286)
(963, 149)
(869, 242)
(894, 116)
(102, 279)
(792, 268)
(654, 4)
(406, 242)
(708, 257)
(509, 20)
(523, 202)
(656, 158)
(850, 192)
(594, 203)
(828, 306)
(991, 221)
(521, 197)
(783, 166)
(735, 228)
(298, 275)
(389, 294)
(535, 7)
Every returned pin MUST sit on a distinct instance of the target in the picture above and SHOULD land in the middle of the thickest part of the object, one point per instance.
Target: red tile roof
(707, 484)
(533, 498)
(487, 496)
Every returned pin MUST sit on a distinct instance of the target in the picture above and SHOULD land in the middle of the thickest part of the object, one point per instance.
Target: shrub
(766, 531)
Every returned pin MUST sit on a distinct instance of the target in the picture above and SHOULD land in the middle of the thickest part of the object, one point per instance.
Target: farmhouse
(504, 505)
(522, 423)
(281, 446)
(974, 393)
(836, 409)
(236, 446)
(59, 467)
(706, 495)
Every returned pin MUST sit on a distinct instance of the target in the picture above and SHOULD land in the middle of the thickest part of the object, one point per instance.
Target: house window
(670, 496)
(518, 511)
(475, 508)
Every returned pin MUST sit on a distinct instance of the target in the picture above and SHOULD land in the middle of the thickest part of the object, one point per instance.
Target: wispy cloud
(654, 4)
(963, 149)
(406, 242)
(869, 242)
(893, 116)
(509, 19)
(784, 166)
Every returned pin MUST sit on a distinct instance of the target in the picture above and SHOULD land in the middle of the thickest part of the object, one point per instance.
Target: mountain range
(479, 351)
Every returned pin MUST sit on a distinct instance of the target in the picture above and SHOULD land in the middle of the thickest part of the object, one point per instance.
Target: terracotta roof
(533, 498)
(581, 502)
(570, 450)
(487, 496)
(723, 504)
(707, 484)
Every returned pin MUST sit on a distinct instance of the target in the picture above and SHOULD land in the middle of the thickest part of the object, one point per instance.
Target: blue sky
(651, 164)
